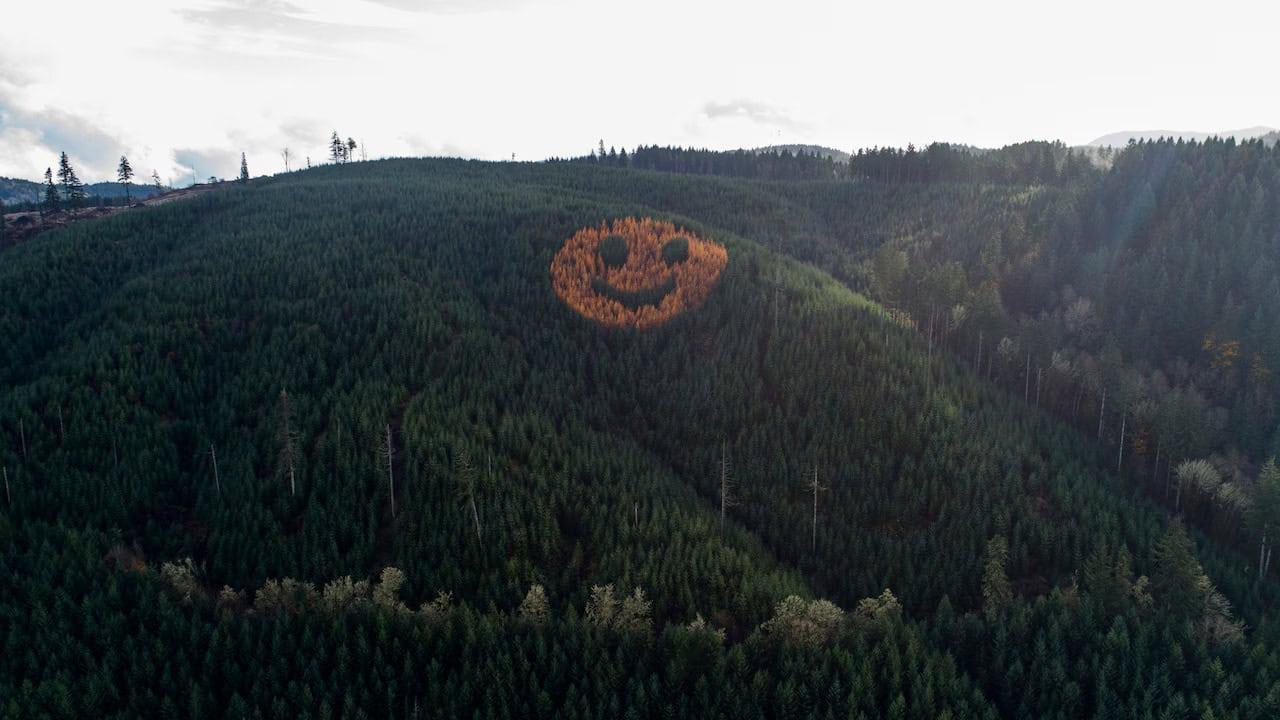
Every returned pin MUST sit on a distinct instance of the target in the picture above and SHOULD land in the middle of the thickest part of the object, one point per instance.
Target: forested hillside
(14, 192)
(331, 445)
(1133, 303)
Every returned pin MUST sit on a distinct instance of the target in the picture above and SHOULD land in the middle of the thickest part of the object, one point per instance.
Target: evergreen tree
(244, 169)
(1176, 583)
(52, 202)
(72, 188)
(124, 174)
(337, 149)
(996, 591)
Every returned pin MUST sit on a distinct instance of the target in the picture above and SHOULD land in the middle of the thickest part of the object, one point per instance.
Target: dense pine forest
(949, 435)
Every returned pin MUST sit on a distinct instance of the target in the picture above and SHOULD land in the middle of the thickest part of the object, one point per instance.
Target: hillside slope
(290, 327)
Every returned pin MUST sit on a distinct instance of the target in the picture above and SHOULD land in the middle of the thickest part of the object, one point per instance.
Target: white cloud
(488, 78)
(754, 111)
(36, 136)
(263, 28)
(449, 7)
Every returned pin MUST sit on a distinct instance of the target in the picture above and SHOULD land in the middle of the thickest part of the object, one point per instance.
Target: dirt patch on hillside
(22, 226)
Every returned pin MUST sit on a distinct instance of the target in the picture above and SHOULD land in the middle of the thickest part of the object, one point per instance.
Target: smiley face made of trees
(636, 273)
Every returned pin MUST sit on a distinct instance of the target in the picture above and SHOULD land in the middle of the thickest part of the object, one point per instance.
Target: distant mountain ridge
(1120, 139)
(16, 190)
(819, 150)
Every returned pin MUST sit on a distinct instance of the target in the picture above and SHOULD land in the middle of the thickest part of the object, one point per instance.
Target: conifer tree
(72, 188)
(337, 150)
(52, 202)
(1176, 580)
(534, 609)
(244, 170)
(996, 592)
(124, 174)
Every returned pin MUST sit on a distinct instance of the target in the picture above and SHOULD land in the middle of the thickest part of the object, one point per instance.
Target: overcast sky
(186, 85)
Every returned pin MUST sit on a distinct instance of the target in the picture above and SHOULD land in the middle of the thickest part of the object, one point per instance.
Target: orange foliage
(1210, 342)
(1227, 353)
(1224, 353)
(578, 264)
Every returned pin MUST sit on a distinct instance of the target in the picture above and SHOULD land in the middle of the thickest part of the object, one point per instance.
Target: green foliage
(676, 250)
(805, 623)
(534, 609)
(996, 592)
(1176, 580)
(613, 251)
(538, 451)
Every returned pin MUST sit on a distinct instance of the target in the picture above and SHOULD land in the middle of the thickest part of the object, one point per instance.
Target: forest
(930, 434)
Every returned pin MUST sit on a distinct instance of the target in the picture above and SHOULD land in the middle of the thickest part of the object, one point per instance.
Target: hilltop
(820, 150)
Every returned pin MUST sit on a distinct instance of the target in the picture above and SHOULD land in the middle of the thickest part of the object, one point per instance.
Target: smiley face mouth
(615, 254)
(634, 299)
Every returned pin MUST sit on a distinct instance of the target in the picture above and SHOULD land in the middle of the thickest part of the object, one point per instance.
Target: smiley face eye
(613, 251)
(676, 250)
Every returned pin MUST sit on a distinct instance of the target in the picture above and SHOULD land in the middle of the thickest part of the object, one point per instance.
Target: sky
(182, 87)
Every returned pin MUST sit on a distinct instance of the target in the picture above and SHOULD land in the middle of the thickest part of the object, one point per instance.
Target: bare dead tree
(7, 496)
(285, 153)
(62, 428)
(22, 437)
(1124, 417)
(1102, 412)
(726, 485)
(467, 488)
(928, 368)
(1026, 389)
(817, 488)
(388, 453)
(217, 483)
